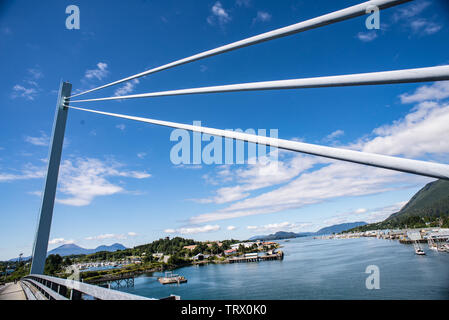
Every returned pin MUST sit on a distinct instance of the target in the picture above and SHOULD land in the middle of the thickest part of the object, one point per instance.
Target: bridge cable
(423, 168)
(336, 16)
(437, 73)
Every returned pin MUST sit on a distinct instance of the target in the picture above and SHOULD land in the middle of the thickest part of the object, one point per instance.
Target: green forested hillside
(428, 207)
(431, 200)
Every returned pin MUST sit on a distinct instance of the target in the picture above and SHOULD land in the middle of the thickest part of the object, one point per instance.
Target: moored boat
(171, 278)
(420, 252)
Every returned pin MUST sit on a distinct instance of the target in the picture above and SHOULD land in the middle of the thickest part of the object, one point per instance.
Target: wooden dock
(276, 256)
(408, 241)
(115, 281)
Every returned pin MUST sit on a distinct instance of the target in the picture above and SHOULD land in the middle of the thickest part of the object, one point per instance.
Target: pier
(115, 281)
(275, 256)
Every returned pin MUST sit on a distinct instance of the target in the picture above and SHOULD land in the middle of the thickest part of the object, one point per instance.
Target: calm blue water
(315, 269)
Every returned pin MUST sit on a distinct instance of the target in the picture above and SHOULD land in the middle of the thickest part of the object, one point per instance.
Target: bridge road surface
(12, 291)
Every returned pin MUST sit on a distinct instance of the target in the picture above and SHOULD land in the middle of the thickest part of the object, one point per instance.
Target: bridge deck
(12, 291)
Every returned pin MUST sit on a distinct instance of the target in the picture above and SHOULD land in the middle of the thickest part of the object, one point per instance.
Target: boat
(420, 252)
(171, 278)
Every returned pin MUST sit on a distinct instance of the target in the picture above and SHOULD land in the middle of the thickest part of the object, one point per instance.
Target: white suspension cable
(320, 21)
(385, 77)
(423, 168)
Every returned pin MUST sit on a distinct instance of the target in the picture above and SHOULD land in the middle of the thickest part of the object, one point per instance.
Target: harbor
(437, 239)
(314, 269)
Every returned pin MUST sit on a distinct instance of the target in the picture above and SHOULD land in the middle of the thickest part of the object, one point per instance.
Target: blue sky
(117, 183)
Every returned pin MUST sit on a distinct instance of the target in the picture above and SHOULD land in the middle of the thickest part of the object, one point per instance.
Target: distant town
(160, 255)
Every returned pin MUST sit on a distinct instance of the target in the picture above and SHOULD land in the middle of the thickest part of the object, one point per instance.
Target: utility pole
(48, 198)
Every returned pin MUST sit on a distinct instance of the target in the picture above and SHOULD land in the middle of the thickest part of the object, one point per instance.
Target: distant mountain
(337, 228)
(69, 249)
(327, 230)
(426, 207)
(276, 236)
(431, 200)
(21, 259)
(111, 248)
(73, 249)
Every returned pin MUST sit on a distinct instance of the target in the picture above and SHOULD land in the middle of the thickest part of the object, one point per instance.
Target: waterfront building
(229, 252)
(198, 257)
(245, 244)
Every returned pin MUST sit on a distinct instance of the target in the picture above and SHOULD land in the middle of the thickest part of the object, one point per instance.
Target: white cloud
(84, 179)
(339, 179)
(424, 26)
(60, 241)
(141, 155)
(408, 15)
(230, 228)
(333, 135)
(43, 140)
(366, 215)
(35, 193)
(218, 14)
(261, 175)
(243, 3)
(121, 126)
(28, 172)
(81, 180)
(262, 16)
(99, 73)
(410, 11)
(23, 92)
(107, 236)
(193, 230)
(420, 133)
(436, 91)
(281, 226)
(30, 88)
(367, 36)
(132, 234)
(134, 174)
(126, 88)
(35, 73)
